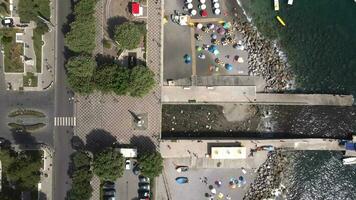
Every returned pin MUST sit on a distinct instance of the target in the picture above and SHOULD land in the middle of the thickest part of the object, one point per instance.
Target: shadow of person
(99, 139)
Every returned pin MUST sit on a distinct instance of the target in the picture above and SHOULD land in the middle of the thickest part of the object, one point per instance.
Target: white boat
(349, 161)
(290, 2)
(276, 5)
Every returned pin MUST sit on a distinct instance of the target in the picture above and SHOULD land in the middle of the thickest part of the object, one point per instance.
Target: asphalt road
(63, 108)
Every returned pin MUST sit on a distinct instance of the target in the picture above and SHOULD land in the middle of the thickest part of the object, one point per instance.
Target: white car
(128, 164)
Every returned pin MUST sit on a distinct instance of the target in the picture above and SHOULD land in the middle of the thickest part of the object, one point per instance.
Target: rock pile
(264, 58)
(268, 178)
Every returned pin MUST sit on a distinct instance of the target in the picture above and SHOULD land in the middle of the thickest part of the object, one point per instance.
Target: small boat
(281, 21)
(276, 5)
(349, 161)
(290, 2)
(182, 180)
(180, 169)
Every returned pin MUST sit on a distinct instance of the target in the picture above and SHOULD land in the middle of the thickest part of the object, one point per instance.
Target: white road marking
(65, 121)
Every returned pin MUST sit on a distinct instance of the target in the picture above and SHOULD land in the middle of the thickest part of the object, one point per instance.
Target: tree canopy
(129, 35)
(122, 82)
(141, 81)
(81, 177)
(80, 73)
(151, 164)
(81, 37)
(105, 77)
(109, 164)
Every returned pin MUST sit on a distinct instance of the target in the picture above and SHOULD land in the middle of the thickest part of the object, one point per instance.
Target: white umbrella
(202, 1)
(214, 1)
(189, 1)
(189, 6)
(216, 5)
(213, 191)
(193, 12)
(240, 60)
(217, 11)
(199, 25)
(203, 6)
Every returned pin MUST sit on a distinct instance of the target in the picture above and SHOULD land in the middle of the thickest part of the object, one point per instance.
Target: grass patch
(12, 50)
(30, 80)
(4, 8)
(29, 10)
(37, 45)
(26, 113)
(30, 127)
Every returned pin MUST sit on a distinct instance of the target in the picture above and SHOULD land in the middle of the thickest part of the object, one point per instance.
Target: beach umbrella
(199, 25)
(227, 25)
(202, 1)
(214, 36)
(241, 178)
(201, 56)
(187, 59)
(212, 48)
(214, 1)
(193, 12)
(213, 191)
(202, 6)
(216, 5)
(228, 67)
(220, 195)
(189, 5)
(240, 60)
(216, 52)
(188, 1)
(211, 26)
(204, 13)
(217, 11)
(221, 31)
(199, 48)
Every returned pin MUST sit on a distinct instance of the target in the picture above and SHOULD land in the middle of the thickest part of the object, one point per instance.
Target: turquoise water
(319, 40)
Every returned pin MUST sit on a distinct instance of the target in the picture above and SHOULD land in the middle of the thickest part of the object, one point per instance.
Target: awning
(135, 8)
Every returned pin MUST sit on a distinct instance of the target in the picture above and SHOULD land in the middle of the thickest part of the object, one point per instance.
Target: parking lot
(197, 188)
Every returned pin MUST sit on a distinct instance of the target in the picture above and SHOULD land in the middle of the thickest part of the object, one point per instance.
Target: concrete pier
(248, 95)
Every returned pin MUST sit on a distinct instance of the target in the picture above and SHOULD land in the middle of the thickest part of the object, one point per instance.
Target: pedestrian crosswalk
(65, 121)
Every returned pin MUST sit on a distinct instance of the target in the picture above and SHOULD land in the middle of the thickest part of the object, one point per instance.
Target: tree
(122, 82)
(80, 73)
(81, 37)
(141, 81)
(109, 164)
(128, 35)
(151, 164)
(105, 77)
(81, 177)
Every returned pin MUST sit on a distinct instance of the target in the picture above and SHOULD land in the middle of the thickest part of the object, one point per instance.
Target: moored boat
(349, 161)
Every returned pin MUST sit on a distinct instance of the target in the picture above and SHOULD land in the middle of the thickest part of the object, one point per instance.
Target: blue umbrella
(228, 67)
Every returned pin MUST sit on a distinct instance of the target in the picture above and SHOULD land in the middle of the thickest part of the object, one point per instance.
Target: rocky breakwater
(268, 178)
(264, 58)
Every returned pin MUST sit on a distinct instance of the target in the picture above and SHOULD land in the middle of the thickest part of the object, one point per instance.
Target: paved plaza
(196, 188)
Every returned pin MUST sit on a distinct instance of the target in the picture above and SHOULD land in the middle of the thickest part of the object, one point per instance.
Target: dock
(247, 95)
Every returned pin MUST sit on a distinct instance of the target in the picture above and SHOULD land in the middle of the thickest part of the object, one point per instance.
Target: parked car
(143, 179)
(136, 170)
(180, 169)
(143, 194)
(128, 164)
(144, 186)
(109, 191)
(182, 180)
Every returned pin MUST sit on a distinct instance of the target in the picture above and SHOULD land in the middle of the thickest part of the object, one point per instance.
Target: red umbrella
(204, 13)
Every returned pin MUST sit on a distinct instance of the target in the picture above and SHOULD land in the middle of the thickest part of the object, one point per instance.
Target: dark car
(144, 186)
(7, 22)
(136, 170)
(109, 191)
(143, 179)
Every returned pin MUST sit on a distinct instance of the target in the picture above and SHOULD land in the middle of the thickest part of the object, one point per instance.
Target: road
(63, 108)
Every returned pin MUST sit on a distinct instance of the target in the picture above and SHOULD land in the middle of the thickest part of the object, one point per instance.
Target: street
(63, 108)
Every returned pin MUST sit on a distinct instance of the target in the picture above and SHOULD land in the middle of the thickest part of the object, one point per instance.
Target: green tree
(122, 82)
(109, 164)
(81, 36)
(25, 170)
(129, 35)
(80, 73)
(141, 81)
(151, 164)
(81, 176)
(105, 78)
